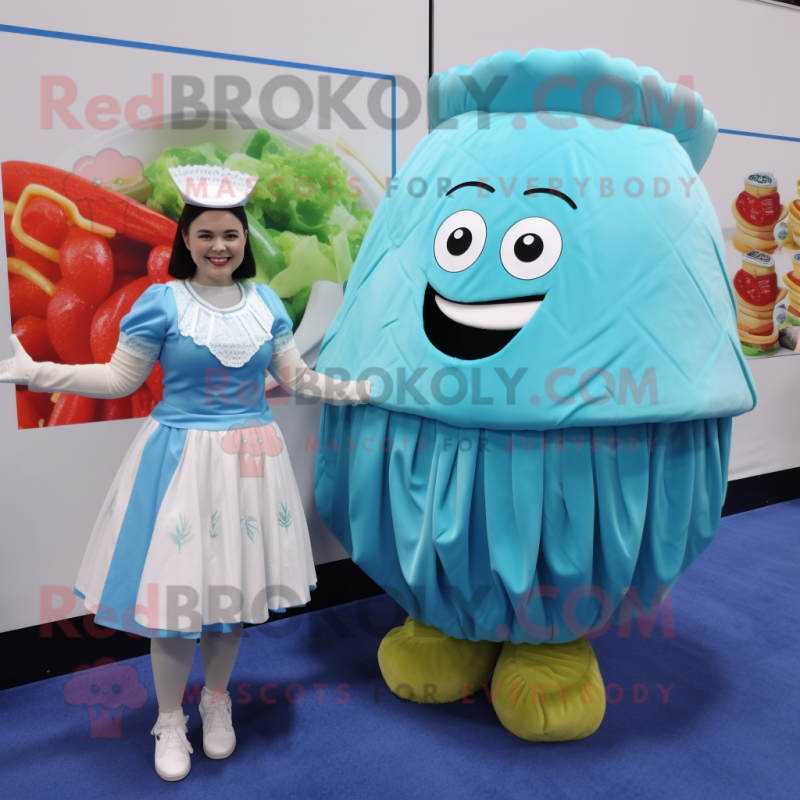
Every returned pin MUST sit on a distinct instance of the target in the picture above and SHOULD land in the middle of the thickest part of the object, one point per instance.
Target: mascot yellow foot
(542, 692)
(549, 692)
(420, 663)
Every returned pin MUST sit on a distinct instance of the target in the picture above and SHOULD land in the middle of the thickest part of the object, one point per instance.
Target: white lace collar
(234, 335)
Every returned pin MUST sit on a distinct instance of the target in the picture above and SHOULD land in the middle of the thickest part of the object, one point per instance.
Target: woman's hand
(19, 368)
(297, 378)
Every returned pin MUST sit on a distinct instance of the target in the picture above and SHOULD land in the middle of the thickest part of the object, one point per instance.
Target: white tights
(172, 660)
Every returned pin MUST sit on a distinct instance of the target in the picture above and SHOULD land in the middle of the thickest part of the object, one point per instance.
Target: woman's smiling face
(216, 241)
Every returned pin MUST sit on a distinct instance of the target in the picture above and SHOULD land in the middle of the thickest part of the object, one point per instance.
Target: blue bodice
(214, 360)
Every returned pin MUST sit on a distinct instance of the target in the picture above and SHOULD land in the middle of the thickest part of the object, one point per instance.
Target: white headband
(213, 187)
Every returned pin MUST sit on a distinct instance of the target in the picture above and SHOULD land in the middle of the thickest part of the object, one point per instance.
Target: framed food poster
(314, 101)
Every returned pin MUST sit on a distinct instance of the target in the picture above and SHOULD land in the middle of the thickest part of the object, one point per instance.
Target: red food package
(127, 217)
(759, 210)
(759, 291)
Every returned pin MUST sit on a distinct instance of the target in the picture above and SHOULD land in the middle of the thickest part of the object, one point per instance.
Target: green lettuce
(309, 261)
(295, 191)
(165, 197)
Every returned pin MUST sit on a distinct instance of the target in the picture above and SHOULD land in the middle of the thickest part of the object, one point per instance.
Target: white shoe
(219, 739)
(172, 746)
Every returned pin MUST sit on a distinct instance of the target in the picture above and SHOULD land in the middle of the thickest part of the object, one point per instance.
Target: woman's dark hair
(181, 263)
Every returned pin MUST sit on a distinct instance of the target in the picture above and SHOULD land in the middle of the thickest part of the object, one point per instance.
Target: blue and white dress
(203, 526)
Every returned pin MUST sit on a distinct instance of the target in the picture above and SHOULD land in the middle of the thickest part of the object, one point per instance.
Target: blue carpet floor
(728, 727)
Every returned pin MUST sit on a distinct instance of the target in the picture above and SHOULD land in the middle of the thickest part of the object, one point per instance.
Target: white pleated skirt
(200, 531)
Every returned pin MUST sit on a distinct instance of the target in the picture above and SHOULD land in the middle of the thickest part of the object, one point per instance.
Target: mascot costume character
(542, 305)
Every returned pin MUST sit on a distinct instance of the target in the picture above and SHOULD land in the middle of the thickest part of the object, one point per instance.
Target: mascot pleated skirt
(542, 306)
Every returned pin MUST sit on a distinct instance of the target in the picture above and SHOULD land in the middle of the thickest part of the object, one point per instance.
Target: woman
(203, 527)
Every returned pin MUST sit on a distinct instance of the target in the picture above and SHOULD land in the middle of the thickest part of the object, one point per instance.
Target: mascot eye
(530, 248)
(459, 241)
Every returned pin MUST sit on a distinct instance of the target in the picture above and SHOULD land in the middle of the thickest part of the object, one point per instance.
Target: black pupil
(459, 241)
(528, 247)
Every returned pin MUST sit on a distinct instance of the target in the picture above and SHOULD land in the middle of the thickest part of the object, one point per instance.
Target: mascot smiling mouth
(475, 330)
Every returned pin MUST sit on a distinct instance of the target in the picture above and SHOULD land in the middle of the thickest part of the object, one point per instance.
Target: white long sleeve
(121, 376)
(296, 377)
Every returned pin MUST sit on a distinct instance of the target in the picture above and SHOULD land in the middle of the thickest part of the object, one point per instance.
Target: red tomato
(27, 415)
(45, 221)
(48, 268)
(88, 265)
(105, 325)
(155, 382)
(130, 258)
(26, 298)
(72, 409)
(158, 263)
(142, 402)
(69, 321)
(115, 408)
(33, 336)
